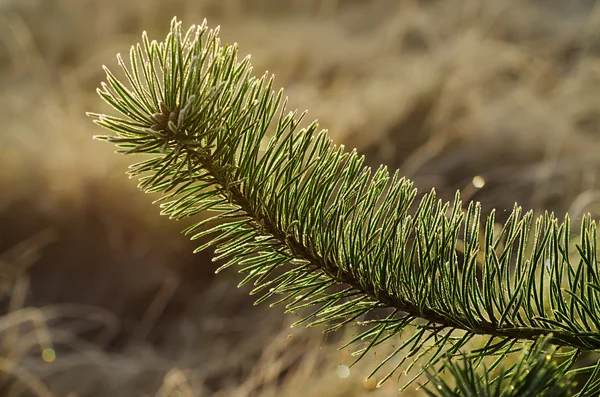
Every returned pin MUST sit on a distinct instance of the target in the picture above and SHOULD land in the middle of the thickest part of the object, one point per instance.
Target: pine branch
(308, 223)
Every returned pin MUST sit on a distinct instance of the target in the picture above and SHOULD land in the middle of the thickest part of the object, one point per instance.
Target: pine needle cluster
(312, 228)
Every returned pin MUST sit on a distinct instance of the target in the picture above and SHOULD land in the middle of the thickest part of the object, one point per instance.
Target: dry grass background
(444, 90)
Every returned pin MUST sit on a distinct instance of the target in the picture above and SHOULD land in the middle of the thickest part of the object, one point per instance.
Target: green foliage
(535, 374)
(312, 228)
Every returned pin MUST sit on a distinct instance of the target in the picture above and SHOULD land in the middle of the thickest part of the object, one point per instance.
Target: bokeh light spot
(343, 371)
(48, 355)
(478, 182)
(370, 383)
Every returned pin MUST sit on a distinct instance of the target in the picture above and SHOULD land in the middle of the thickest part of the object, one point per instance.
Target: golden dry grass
(444, 90)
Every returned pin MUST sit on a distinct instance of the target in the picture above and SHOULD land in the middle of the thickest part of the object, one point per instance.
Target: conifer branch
(307, 223)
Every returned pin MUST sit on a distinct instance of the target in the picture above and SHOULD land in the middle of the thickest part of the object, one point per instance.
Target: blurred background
(100, 296)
